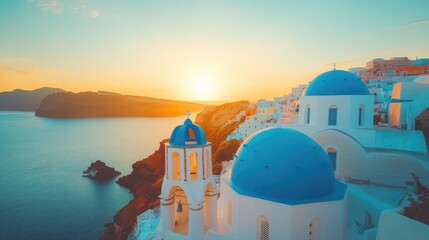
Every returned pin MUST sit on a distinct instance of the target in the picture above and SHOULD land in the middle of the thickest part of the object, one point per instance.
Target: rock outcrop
(106, 104)
(100, 172)
(145, 180)
(25, 100)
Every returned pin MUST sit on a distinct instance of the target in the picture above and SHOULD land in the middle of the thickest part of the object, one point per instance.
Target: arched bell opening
(193, 162)
(176, 165)
(180, 209)
(191, 137)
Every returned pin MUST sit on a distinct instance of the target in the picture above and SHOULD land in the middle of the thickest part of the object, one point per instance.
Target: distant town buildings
(397, 66)
(335, 165)
(381, 77)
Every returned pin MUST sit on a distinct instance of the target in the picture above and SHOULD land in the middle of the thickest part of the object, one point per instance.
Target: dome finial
(188, 114)
(334, 66)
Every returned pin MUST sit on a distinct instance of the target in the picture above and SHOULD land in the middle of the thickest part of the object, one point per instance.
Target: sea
(42, 192)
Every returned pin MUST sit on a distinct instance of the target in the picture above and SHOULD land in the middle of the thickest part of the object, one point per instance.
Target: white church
(291, 182)
(282, 186)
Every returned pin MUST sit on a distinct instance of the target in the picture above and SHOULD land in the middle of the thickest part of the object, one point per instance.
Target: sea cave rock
(100, 172)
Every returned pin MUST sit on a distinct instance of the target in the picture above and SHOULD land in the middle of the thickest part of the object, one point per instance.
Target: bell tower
(189, 191)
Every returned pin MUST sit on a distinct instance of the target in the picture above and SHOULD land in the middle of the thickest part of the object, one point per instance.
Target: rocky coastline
(146, 178)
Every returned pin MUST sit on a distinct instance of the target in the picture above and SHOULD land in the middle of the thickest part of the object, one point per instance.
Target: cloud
(94, 13)
(76, 7)
(417, 22)
(24, 73)
(4, 68)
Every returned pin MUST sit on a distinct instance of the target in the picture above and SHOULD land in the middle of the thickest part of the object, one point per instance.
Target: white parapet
(395, 226)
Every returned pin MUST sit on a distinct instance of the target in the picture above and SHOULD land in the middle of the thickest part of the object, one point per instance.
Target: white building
(409, 101)
(282, 186)
(189, 191)
(265, 116)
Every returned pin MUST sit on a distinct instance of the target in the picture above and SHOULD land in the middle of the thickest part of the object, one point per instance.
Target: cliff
(100, 172)
(105, 104)
(25, 100)
(145, 180)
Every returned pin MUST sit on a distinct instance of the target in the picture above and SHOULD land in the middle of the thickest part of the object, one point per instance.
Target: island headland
(108, 104)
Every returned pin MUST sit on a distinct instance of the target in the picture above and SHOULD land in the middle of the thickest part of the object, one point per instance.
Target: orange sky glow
(186, 50)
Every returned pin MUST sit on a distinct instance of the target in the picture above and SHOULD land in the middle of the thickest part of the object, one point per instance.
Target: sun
(203, 88)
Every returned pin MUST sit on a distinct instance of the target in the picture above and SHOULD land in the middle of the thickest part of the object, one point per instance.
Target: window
(191, 133)
(332, 121)
(307, 114)
(332, 154)
(207, 163)
(193, 165)
(263, 228)
(229, 212)
(176, 165)
(361, 115)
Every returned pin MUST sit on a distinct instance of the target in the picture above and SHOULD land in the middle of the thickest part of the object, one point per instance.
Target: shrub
(419, 202)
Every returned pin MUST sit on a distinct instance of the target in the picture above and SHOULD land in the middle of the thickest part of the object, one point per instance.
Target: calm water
(42, 192)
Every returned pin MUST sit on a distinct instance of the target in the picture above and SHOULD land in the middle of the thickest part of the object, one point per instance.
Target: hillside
(105, 104)
(25, 100)
(146, 178)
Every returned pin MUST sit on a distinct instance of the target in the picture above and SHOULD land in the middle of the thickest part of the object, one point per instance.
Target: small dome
(422, 79)
(188, 134)
(336, 82)
(286, 166)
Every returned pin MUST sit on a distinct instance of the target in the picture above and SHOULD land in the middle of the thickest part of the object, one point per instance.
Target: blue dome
(188, 134)
(286, 166)
(336, 82)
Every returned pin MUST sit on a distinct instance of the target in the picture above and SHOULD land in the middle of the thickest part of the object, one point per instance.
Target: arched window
(362, 115)
(207, 163)
(229, 212)
(263, 228)
(332, 121)
(193, 165)
(332, 153)
(307, 114)
(176, 165)
(191, 133)
(191, 137)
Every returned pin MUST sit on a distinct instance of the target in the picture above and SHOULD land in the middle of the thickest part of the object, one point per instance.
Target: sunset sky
(199, 50)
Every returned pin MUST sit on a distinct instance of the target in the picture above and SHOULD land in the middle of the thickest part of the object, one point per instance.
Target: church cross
(188, 114)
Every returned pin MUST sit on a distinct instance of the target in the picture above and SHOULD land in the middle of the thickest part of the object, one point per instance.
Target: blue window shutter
(332, 117)
(308, 115)
(360, 117)
(333, 157)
